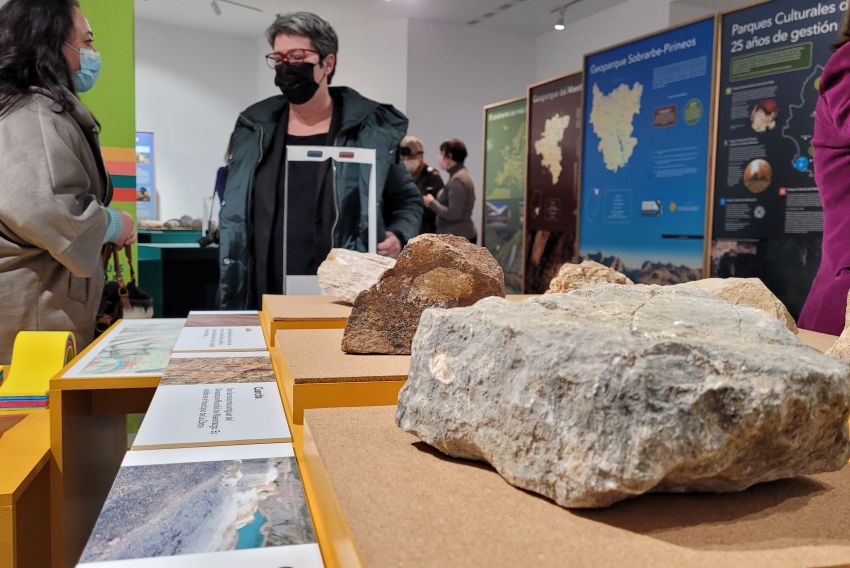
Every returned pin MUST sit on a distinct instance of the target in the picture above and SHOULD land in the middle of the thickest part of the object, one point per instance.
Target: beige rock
(841, 349)
(576, 276)
(433, 271)
(745, 292)
(345, 273)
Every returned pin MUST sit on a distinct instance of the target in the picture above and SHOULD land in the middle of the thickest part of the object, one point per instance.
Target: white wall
(190, 87)
(563, 52)
(681, 12)
(453, 71)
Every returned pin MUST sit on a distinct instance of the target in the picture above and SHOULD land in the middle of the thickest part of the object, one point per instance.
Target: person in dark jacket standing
(427, 179)
(327, 201)
(453, 205)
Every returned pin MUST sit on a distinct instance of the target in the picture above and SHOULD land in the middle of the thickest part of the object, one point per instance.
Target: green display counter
(180, 276)
(152, 236)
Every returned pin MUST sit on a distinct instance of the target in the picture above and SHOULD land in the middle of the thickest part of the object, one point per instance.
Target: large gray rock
(345, 273)
(612, 391)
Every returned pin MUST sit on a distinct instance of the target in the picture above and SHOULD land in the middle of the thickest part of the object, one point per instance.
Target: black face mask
(296, 82)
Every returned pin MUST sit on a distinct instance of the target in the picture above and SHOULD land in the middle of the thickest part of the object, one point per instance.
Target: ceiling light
(559, 25)
(215, 8)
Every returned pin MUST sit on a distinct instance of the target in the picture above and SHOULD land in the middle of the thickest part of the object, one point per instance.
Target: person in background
(326, 203)
(453, 205)
(54, 188)
(825, 306)
(427, 179)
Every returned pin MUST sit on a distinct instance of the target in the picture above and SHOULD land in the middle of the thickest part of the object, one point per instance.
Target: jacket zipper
(336, 203)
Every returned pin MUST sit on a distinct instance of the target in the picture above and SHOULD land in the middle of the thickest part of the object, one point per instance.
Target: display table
(820, 341)
(24, 489)
(314, 372)
(88, 430)
(314, 312)
(391, 500)
(302, 312)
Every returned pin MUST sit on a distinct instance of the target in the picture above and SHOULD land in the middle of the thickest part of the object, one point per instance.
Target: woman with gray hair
(326, 203)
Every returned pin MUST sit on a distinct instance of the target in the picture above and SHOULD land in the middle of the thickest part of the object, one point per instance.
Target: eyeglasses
(294, 57)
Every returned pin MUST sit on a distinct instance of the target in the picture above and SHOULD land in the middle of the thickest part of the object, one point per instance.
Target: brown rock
(746, 292)
(841, 349)
(588, 273)
(433, 271)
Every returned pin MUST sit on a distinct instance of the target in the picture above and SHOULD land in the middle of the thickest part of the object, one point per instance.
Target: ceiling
(523, 17)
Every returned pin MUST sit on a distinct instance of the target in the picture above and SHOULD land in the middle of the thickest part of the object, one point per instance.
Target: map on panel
(548, 146)
(612, 117)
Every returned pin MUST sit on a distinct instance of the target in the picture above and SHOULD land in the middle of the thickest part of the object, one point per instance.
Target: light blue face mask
(89, 71)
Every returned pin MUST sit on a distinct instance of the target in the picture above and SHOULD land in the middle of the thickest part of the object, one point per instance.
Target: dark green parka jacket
(363, 124)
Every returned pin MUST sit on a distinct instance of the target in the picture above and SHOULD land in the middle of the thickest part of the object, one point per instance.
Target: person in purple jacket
(827, 300)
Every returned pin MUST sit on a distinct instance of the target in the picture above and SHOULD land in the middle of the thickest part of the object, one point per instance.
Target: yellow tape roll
(36, 358)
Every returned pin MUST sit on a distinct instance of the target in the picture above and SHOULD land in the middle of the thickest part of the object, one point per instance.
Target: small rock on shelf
(345, 273)
(575, 276)
(841, 349)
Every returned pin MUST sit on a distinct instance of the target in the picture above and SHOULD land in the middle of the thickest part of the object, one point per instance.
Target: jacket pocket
(78, 289)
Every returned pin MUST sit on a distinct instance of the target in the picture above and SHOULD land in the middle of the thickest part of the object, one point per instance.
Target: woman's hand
(128, 230)
(428, 199)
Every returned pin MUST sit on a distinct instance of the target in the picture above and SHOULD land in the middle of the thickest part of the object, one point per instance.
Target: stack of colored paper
(17, 392)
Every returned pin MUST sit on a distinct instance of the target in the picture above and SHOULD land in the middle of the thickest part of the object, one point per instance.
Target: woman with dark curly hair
(54, 188)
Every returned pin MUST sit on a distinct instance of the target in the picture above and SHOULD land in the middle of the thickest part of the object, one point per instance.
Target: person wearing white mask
(54, 187)
(427, 179)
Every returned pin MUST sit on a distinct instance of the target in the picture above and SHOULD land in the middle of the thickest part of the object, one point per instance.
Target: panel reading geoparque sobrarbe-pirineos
(645, 157)
(504, 182)
(768, 220)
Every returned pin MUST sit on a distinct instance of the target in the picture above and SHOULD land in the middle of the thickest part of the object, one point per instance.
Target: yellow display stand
(88, 430)
(301, 312)
(25, 448)
(24, 489)
(36, 357)
(314, 372)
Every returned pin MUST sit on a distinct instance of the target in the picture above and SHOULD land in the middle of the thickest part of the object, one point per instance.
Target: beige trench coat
(53, 192)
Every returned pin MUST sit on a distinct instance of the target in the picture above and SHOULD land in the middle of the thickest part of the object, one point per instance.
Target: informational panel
(646, 154)
(146, 196)
(767, 220)
(504, 184)
(551, 200)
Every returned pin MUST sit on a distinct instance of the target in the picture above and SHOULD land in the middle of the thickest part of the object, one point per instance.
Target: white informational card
(213, 415)
(207, 508)
(221, 338)
(134, 348)
(296, 556)
(208, 454)
(219, 354)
